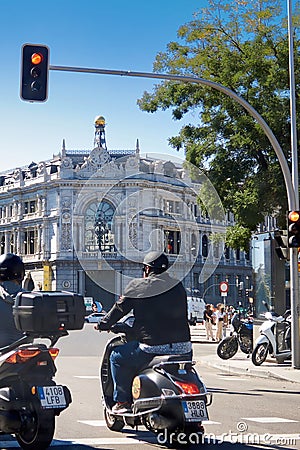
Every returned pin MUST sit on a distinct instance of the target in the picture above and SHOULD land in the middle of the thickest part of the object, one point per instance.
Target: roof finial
(137, 148)
(63, 150)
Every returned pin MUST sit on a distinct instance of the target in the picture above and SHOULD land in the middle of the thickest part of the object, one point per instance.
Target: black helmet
(11, 267)
(157, 261)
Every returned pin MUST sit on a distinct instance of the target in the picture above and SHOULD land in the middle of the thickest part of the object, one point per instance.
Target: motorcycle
(29, 397)
(168, 396)
(241, 337)
(275, 338)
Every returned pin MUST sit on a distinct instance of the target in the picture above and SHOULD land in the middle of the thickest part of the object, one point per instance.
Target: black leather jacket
(159, 306)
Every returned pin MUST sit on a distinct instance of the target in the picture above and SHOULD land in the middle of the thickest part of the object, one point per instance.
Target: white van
(196, 307)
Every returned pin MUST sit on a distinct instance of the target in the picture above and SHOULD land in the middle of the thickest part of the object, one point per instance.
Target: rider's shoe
(121, 408)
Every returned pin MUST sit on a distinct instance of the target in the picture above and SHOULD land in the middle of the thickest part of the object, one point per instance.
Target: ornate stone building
(83, 220)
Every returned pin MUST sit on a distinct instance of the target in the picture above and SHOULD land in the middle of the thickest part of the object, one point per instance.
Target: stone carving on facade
(111, 170)
(66, 163)
(66, 223)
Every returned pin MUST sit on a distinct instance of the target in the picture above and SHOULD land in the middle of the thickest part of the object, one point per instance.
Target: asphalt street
(247, 412)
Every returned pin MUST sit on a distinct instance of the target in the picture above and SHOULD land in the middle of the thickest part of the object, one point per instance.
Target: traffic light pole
(294, 272)
(292, 196)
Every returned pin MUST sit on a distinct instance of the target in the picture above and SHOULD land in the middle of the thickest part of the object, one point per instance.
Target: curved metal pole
(293, 201)
(217, 86)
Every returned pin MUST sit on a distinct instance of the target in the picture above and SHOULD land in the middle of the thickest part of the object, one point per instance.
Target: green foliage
(238, 236)
(242, 45)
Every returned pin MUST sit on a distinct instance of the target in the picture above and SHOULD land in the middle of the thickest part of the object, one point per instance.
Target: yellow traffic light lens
(36, 58)
(294, 216)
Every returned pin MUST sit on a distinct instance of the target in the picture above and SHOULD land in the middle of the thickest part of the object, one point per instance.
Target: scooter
(241, 336)
(275, 338)
(169, 398)
(29, 397)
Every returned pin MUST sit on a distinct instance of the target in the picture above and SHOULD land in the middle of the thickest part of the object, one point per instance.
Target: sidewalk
(241, 365)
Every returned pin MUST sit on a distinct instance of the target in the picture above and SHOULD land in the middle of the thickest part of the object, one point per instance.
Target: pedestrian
(221, 320)
(208, 320)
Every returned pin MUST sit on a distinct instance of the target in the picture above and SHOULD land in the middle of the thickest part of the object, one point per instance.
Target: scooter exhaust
(160, 422)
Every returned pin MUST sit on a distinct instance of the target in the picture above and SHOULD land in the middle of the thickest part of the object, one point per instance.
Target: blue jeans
(125, 361)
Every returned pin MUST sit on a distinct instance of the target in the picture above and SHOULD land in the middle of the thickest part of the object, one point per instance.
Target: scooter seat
(158, 359)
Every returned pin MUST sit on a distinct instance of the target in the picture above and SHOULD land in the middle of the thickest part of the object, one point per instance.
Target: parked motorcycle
(241, 336)
(275, 338)
(29, 397)
(168, 395)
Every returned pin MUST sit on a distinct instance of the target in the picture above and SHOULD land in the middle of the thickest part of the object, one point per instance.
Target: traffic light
(281, 249)
(294, 229)
(34, 73)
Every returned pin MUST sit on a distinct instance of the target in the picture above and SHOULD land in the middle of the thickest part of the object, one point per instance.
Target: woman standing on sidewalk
(221, 318)
(208, 318)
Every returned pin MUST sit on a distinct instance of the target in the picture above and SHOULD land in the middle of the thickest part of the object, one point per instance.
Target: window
(29, 207)
(30, 242)
(172, 241)
(204, 246)
(227, 253)
(98, 231)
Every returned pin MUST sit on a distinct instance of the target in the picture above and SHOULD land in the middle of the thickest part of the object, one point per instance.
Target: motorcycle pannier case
(48, 312)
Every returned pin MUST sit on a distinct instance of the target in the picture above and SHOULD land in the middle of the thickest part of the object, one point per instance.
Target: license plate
(52, 396)
(195, 410)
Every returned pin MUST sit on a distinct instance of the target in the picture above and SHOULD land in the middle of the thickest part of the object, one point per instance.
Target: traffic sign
(223, 287)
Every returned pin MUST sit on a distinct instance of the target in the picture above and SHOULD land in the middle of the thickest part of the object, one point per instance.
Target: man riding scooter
(12, 272)
(159, 305)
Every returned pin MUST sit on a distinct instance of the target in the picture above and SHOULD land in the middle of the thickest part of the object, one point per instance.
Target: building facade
(83, 220)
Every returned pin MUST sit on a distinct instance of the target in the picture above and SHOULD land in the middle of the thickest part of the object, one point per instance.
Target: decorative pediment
(96, 159)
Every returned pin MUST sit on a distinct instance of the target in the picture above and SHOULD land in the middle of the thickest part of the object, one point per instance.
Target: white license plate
(52, 396)
(194, 410)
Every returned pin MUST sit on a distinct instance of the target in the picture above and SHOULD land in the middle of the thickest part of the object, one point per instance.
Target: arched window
(204, 246)
(98, 227)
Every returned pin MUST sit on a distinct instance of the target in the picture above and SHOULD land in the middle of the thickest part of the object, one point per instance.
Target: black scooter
(169, 398)
(241, 337)
(29, 397)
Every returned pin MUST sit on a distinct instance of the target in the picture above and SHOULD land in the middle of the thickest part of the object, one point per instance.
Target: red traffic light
(294, 216)
(294, 229)
(34, 72)
(36, 58)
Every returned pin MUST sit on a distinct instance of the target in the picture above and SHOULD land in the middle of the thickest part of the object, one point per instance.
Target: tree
(242, 45)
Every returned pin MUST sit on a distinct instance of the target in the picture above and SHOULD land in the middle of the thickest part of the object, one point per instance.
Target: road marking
(102, 423)
(230, 378)
(89, 377)
(268, 419)
(93, 423)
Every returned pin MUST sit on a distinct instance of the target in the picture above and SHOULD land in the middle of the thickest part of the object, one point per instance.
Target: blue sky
(91, 33)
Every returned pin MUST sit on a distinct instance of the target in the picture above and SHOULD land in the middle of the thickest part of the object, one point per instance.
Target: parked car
(94, 317)
(196, 307)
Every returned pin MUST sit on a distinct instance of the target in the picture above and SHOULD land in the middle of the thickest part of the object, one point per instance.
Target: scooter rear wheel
(260, 353)
(37, 433)
(113, 423)
(228, 347)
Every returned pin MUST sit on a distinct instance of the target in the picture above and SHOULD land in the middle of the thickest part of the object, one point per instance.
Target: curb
(245, 371)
